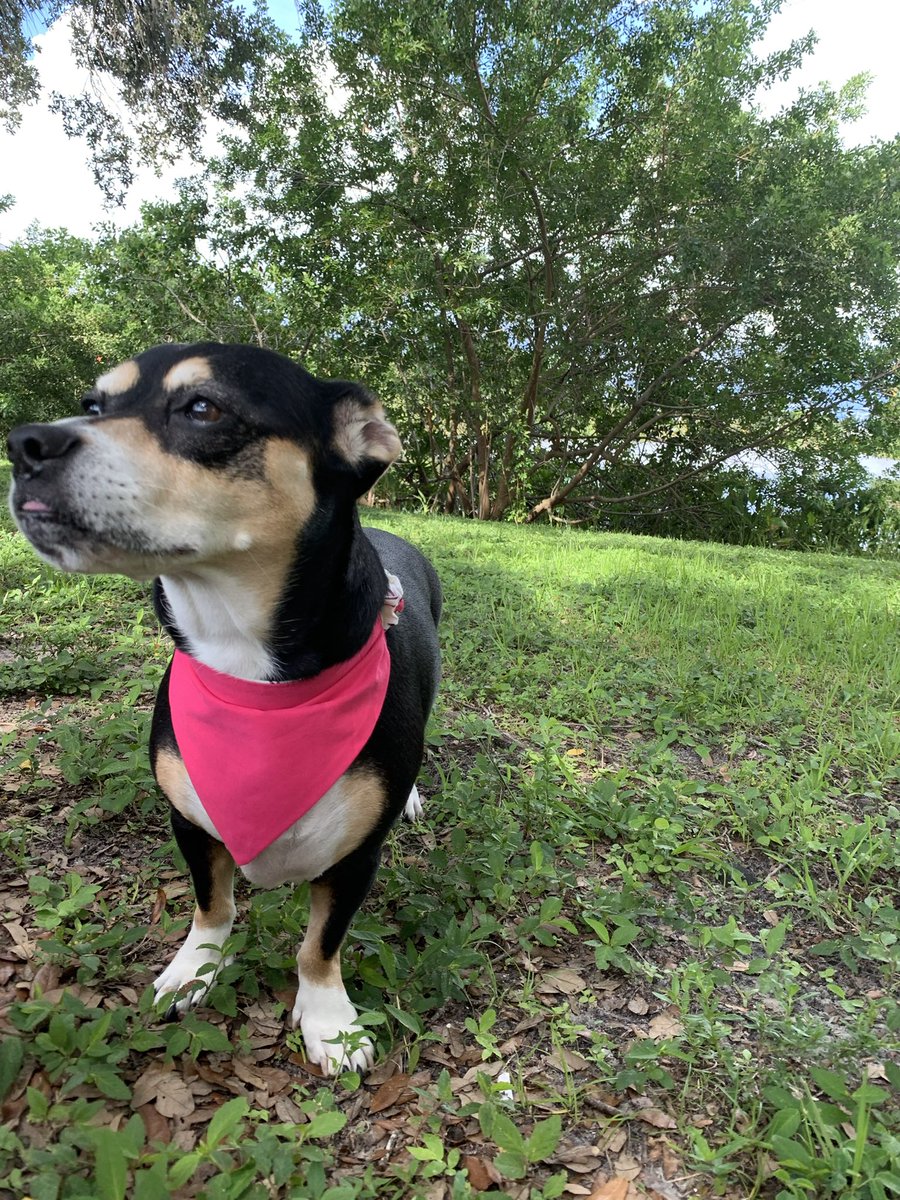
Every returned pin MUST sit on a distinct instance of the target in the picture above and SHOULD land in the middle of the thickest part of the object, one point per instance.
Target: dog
(289, 727)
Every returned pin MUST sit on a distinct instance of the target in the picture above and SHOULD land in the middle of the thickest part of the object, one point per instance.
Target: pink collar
(260, 755)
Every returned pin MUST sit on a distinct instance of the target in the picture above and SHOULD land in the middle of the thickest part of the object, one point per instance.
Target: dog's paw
(191, 973)
(333, 1040)
(414, 807)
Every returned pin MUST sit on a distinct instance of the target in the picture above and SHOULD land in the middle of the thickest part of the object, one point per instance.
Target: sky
(48, 175)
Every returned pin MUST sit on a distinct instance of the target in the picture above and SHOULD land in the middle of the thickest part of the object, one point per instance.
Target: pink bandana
(261, 754)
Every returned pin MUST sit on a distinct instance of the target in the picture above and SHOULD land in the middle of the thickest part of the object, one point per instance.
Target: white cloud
(51, 180)
(854, 36)
(49, 174)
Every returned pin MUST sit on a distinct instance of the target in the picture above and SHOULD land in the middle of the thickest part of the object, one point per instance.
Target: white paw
(193, 970)
(331, 1035)
(414, 807)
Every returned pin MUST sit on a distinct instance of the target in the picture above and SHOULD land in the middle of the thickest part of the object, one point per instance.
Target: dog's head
(190, 455)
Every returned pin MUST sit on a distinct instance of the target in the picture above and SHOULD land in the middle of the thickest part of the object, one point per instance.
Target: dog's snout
(31, 446)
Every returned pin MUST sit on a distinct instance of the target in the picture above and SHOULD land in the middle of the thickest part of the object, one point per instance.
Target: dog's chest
(320, 838)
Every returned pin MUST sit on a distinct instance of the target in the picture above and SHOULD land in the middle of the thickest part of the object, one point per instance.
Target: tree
(559, 239)
(69, 307)
(171, 65)
(54, 333)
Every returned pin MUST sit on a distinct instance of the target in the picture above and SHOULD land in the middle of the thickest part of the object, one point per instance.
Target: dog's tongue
(35, 506)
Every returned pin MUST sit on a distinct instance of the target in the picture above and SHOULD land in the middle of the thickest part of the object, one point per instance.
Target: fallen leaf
(46, 977)
(563, 979)
(157, 1127)
(665, 1025)
(174, 1098)
(23, 947)
(159, 906)
(614, 1140)
(482, 1172)
(390, 1093)
(565, 1059)
(671, 1163)
(160, 1085)
(247, 1071)
(613, 1189)
(627, 1168)
(287, 1111)
(577, 1158)
(384, 1071)
(657, 1118)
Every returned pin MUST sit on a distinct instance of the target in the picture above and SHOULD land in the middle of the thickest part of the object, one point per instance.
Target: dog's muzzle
(33, 448)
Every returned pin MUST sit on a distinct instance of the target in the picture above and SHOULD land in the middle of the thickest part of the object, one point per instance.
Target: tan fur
(361, 431)
(172, 777)
(226, 518)
(221, 908)
(186, 373)
(120, 379)
(325, 972)
(362, 801)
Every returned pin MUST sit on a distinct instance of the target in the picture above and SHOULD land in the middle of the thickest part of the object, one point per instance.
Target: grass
(646, 942)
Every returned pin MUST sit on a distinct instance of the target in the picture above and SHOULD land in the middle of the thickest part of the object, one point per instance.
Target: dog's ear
(363, 438)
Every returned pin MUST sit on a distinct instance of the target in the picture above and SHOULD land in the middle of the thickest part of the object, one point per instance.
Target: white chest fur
(313, 843)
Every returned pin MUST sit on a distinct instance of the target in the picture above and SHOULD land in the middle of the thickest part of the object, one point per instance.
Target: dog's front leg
(212, 872)
(323, 1010)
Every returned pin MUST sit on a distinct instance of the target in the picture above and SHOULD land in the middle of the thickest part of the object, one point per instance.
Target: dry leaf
(671, 1163)
(665, 1025)
(563, 979)
(391, 1092)
(156, 1125)
(613, 1189)
(159, 905)
(482, 1172)
(146, 1084)
(174, 1098)
(657, 1118)
(614, 1139)
(247, 1071)
(577, 1158)
(23, 946)
(627, 1168)
(46, 977)
(564, 1059)
(160, 1085)
(384, 1071)
(288, 1112)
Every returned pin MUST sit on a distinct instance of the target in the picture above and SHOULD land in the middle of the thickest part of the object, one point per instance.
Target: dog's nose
(31, 446)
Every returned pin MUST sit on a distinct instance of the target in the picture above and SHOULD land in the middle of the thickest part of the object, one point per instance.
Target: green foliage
(170, 66)
(583, 271)
(580, 267)
(658, 769)
(56, 334)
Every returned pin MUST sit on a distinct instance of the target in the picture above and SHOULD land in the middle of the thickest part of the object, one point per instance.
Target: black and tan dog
(231, 475)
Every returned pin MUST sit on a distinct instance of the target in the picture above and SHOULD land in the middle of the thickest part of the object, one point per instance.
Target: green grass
(655, 893)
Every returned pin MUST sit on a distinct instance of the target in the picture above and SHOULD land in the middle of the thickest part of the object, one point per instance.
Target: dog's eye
(92, 406)
(202, 410)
